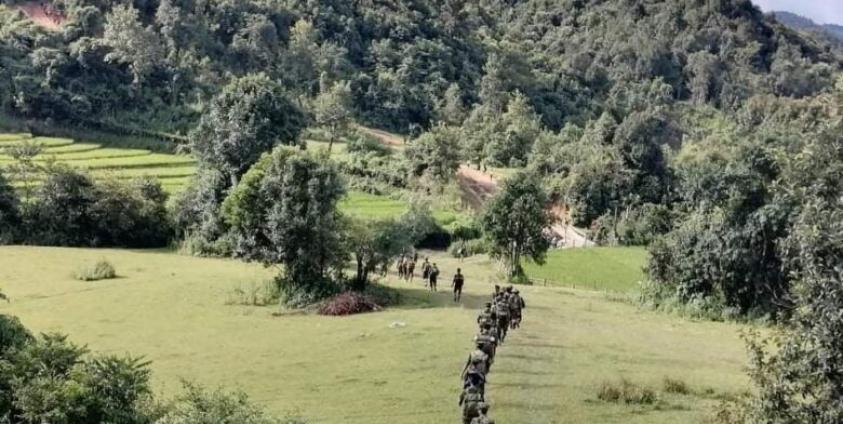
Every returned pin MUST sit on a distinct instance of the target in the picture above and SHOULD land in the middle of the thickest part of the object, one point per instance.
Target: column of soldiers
(499, 316)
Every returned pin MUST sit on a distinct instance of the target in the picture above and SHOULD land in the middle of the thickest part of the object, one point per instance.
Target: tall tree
(515, 220)
(436, 153)
(249, 117)
(284, 211)
(332, 110)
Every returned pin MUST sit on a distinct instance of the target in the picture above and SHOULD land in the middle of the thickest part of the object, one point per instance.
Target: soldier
(476, 368)
(502, 311)
(516, 304)
(411, 269)
(470, 400)
(482, 417)
(400, 266)
(488, 342)
(434, 275)
(457, 284)
(426, 271)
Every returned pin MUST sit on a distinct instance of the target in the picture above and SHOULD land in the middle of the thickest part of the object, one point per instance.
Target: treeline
(155, 64)
(48, 379)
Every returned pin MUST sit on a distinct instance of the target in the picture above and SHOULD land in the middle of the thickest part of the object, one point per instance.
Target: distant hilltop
(802, 23)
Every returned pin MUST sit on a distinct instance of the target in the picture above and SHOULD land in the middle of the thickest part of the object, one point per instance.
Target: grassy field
(363, 369)
(174, 171)
(598, 268)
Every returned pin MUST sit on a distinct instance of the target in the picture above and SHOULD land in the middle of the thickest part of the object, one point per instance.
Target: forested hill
(802, 23)
(155, 63)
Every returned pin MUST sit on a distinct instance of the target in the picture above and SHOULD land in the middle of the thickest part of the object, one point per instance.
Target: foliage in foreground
(48, 379)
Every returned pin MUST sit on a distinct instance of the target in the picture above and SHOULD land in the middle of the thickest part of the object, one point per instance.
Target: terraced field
(174, 171)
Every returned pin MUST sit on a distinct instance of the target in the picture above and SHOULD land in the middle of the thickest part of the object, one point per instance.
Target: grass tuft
(675, 386)
(102, 270)
(626, 392)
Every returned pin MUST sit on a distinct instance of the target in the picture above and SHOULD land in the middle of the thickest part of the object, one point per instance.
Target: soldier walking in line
(433, 276)
(426, 271)
(482, 417)
(516, 304)
(457, 284)
(502, 311)
(470, 400)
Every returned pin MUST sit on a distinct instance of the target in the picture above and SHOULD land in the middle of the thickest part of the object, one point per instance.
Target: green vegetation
(599, 268)
(171, 310)
(173, 171)
(102, 270)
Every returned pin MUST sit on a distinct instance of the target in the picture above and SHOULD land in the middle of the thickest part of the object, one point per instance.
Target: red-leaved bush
(349, 303)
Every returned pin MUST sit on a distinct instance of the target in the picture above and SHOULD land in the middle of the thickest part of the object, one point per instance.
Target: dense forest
(703, 129)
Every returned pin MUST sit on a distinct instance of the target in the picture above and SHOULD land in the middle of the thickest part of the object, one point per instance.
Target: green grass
(598, 268)
(104, 160)
(370, 206)
(359, 370)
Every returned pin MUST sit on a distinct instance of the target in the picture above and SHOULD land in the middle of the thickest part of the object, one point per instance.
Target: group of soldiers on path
(499, 316)
(430, 271)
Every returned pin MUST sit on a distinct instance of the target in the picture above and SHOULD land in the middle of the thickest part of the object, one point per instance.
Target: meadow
(397, 366)
(615, 269)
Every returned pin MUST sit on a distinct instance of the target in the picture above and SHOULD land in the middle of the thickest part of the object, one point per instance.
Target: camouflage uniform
(502, 311)
(470, 400)
(481, 417)
(516, 304)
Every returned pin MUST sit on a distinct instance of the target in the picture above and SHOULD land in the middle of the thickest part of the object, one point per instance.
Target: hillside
(141, 66)
(802, 23)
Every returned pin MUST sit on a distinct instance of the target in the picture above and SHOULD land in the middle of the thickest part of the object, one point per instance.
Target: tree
(131, 43)
(452, 109)
(436, 153)
(25, 168)
(284, 211)
(375, 243)
(332, 110)
(515, 220)
(10, 218)
(801, 381)
(249, 117)
(516, 131)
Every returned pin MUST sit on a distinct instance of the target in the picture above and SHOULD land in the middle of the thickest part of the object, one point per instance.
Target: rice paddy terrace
(174, 171)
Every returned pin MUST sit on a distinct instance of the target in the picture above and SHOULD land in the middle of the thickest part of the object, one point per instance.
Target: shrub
(255, 294)
(627, 392)
(675, 386)
(9, 211)
(70, 209)
(349, 303)
(102, 270)
(472, 247)
(365, 144)
(13, 335)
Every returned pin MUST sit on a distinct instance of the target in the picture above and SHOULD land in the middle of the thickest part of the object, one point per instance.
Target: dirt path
(478, 187)
(43, 14)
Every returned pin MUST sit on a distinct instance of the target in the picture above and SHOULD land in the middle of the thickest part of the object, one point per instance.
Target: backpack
(471, 402)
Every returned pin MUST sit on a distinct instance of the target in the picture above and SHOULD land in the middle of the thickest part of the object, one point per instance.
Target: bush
(472, 247)
(365, 144)
(675, 386)
(70, 209)
(349, 303)
(627, 392)
(102, 270)
(9, 212)
(13, 335)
